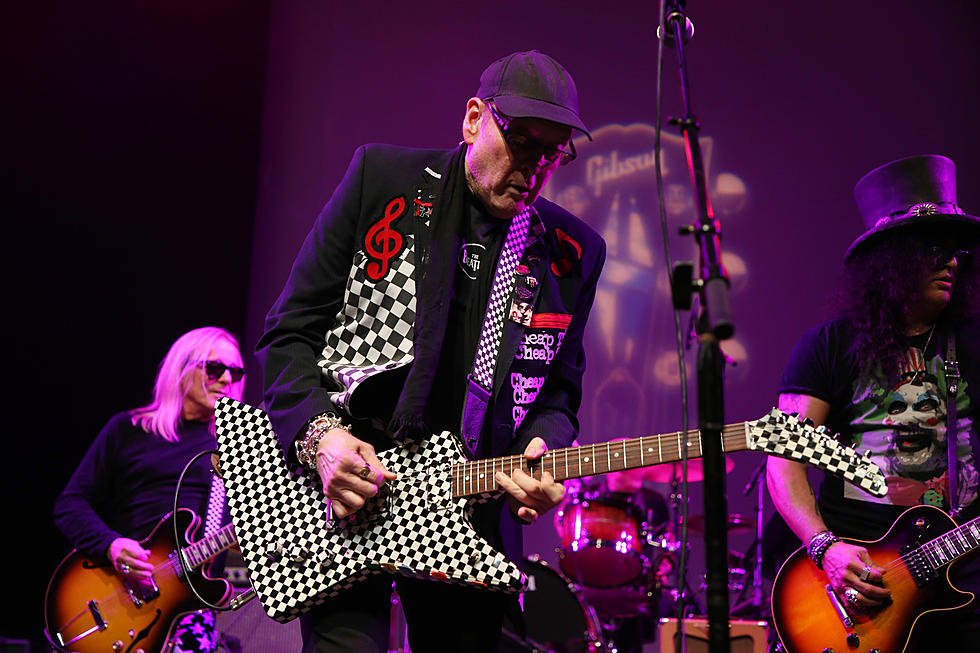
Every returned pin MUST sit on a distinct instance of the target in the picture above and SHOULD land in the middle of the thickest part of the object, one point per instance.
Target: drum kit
(617, 567)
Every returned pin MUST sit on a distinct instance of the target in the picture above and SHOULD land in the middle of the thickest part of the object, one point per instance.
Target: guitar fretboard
(477, 476)
(951, 545)
(207, 547)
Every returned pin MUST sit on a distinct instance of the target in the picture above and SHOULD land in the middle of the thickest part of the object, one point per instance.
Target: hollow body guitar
(298, 555)
(916, 552)
(91, 608)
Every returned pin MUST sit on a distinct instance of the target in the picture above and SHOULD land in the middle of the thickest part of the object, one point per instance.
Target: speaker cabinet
(249, 630)
(745, 636)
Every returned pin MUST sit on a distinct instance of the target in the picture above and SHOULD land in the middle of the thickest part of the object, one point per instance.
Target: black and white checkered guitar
(298, 555)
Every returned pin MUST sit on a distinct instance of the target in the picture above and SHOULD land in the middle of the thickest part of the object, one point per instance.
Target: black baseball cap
(532, 85)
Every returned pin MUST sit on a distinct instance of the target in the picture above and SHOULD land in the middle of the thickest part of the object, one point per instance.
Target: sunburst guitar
(90, 608)
(916, 552)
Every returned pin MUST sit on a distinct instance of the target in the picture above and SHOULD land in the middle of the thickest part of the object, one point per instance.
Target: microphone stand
(715, 324)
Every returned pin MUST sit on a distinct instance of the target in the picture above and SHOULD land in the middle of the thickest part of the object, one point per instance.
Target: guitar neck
(476, 477)
(211, 545)
(952, 545)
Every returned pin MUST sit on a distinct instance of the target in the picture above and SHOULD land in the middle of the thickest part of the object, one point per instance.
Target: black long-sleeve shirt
(125, 483)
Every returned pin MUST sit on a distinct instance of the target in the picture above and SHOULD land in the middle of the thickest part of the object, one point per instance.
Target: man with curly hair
(878, 373)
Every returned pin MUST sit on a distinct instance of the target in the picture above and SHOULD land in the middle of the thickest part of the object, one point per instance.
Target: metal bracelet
(818, 546)
(319, 426)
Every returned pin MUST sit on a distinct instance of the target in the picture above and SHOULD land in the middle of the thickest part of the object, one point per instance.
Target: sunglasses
(943, 253)
(216, 369)
(521, 144)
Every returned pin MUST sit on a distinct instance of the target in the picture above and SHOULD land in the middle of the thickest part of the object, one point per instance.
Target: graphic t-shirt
(902, 425)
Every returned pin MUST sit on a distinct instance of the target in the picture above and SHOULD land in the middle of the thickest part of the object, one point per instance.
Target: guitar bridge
(100, 625)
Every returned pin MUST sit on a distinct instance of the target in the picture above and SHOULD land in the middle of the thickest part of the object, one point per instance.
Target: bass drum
(555, 615)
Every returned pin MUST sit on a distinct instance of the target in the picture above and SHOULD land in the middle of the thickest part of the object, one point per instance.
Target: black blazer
(538, 375)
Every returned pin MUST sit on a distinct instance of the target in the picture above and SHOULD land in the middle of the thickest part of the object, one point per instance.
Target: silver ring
(124, 568)
(865, 572)
(851, 595)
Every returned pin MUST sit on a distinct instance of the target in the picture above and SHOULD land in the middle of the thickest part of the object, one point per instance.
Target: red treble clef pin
(382, 242)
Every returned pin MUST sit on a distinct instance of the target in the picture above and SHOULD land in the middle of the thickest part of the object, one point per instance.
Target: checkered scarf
(432, 303)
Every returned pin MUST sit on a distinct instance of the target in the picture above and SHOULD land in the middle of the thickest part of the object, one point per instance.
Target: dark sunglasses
(216, 369)
(943, 253)
(521, 144)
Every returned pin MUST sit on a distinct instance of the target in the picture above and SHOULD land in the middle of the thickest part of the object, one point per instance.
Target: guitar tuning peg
(821, 429)
(808, 421)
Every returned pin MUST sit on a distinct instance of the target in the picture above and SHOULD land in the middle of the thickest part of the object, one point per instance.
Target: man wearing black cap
(396, 322)
(882, 374)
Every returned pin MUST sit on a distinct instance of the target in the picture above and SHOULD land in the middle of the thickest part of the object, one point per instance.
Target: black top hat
(916, 190)
(532, 85)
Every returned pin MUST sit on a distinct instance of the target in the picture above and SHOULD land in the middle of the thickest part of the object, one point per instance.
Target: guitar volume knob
(853, 640)
(274, 550)
(300, 554)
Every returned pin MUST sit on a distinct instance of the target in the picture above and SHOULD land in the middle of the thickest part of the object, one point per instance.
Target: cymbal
(736, 522)
(627, 481)
(667, 471)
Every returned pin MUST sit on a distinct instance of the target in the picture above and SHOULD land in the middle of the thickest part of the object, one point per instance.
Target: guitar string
(733, 435)
(932, 548)
(900, 564)
(191, 549)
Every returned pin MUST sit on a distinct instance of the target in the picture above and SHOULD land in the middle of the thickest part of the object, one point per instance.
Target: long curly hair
(881, 282)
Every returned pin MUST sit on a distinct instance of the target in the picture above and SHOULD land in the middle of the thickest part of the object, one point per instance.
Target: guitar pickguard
(298, 557)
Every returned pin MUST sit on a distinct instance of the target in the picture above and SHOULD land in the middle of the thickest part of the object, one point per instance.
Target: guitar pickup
(439, 493)
(140, 592)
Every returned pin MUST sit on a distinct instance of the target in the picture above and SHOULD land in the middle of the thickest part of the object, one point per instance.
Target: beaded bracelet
(319, 426)
(818, 546)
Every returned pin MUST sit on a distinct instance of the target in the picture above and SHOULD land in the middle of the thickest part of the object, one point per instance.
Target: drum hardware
(735, 523)
(737, 574)
(754, 606)
(667, 472)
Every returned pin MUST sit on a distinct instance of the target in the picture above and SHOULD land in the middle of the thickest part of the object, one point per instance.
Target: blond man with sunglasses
(125, 483)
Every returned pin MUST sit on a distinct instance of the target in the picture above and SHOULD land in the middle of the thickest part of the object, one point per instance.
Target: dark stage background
(163, 162)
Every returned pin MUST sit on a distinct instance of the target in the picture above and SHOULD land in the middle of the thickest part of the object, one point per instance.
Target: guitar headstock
(787, 436)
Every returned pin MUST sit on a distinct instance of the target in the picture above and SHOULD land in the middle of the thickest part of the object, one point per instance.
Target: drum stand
(754, 607)
(681, 593)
